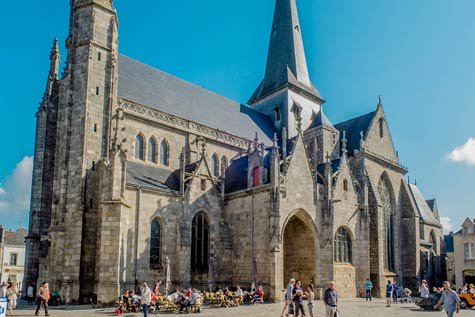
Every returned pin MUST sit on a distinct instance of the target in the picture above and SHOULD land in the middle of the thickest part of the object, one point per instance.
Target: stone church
(135, 168)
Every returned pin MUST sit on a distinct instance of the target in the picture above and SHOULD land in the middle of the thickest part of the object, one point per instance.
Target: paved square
(348, 307)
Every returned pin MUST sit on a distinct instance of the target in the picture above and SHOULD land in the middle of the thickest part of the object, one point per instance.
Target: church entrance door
(299, 246)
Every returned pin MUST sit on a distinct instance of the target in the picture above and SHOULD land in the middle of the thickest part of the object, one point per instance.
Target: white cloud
(15, 193)
(447, 224)
(464, 153)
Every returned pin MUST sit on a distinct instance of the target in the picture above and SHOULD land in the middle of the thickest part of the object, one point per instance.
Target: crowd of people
(294, 295)
(183, 301)
(10, 291)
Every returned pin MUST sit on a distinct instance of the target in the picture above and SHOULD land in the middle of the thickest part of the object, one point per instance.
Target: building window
(155, 245)
(433, 241)
(469, 251)
(387, 208)
(97, 91)
(203, 184)
(277, 114)
(381, 127)
(99, 56)
(152, 150)
(139, 147)
(345, 185)
(13, 258)
(215, 165)
(164, 153)
(200, 243)
(343, 246)
(255, 176)
(95, 127)
(224, 165)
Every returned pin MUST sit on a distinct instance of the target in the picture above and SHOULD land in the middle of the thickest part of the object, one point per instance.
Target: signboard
(3, 306)
(469, 272)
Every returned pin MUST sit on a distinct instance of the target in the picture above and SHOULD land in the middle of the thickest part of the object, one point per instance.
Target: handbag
(337, 314)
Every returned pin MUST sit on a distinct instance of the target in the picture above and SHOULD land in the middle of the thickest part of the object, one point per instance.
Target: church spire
(286, 62)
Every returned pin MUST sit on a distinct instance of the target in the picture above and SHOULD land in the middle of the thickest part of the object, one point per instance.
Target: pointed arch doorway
(299, 249)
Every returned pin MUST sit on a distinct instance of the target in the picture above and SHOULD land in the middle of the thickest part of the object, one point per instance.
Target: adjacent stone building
(133, 166)
(464, 253)
(12, 255)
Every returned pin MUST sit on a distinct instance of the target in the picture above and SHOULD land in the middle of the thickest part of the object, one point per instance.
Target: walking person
(330, 298)
(369, 288)
(310, 299)
(389, 293)
(43, 298)
(12, 293)
(288, 298)
(145, 299)
(450, 300)
(297, 294)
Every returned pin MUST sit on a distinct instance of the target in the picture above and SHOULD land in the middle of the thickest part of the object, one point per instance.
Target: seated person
(125, 299)
(192, 298)
(238, 296)
(258, 294)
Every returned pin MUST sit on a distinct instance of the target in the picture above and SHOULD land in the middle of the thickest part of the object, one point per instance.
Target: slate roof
(321, 120)
(335, 165)
(286, 61)
(449, 243)
(152, 177)
(424, 210)
(353, 128)
(431, 203)
(236, 175)
(17, 238)
(153, 88)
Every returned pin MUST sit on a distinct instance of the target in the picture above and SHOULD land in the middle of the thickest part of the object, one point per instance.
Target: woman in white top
(12, 296)
(424, 289)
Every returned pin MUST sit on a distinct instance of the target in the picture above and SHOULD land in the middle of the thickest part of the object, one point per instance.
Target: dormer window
(277, 114)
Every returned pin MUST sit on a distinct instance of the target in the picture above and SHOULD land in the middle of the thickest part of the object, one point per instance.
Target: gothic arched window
(388, 227)
(139, 147)
(433, 241)
(343, 246)
(200, 243)
(164, 153)
(155, 245)
(224, 163)
(215, 165)
(152, 150)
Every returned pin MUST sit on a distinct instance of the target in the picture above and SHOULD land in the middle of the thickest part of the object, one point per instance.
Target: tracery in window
(155, 245)
(152, 150)
(388, 226)
(200, 243)
(343, 246)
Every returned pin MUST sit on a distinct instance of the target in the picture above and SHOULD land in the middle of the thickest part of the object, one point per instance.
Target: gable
(378, 137)
(299, 171)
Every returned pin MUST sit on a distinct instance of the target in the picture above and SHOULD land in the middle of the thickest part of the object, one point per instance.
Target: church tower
(87, 94)
(286, 91)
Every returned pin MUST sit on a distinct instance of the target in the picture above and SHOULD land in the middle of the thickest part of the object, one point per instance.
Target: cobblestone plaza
(348, 307)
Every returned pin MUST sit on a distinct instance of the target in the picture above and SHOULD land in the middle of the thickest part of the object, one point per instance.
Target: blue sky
(419, 55)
